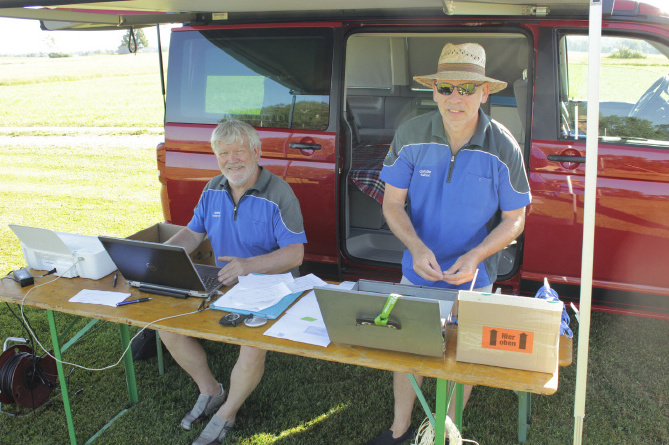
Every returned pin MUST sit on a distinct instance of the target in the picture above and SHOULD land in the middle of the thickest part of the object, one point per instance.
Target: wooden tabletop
(54, 295)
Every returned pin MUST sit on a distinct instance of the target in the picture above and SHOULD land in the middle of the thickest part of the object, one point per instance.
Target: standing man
(254, 223)
(455, 195)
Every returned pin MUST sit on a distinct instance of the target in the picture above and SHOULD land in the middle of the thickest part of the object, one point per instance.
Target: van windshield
(268, 78)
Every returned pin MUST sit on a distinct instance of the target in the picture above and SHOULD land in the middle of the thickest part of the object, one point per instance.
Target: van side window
(633, 93)
(268, 78)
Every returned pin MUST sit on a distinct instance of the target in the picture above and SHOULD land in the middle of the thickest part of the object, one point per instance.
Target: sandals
(204, 407)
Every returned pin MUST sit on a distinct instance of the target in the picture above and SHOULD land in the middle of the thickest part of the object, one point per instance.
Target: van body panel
(339, 126)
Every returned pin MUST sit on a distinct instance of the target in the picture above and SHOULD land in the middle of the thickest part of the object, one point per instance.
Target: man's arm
(187, 239)
(278, 261)
(509, 228)
(424, 262)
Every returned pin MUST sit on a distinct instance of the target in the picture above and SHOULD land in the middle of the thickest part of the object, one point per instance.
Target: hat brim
(429, 79)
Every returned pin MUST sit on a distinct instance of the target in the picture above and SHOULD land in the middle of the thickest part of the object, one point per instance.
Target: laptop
(415, 324)
(161, 268)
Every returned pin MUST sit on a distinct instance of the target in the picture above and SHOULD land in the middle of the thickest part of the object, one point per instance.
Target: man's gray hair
(232, 130)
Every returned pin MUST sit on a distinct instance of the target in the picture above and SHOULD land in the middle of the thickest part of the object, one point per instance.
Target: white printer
(70, 254)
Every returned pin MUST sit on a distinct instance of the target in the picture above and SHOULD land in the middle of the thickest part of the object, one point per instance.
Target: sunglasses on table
(464, 89)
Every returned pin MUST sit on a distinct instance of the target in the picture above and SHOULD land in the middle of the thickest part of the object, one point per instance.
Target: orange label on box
(507, 339)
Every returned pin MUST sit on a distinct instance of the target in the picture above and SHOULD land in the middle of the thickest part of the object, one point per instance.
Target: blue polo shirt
(266, 218)
(454, 201)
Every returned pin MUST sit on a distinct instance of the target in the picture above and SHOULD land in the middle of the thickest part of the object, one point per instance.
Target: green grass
(638, 75)
(112, 188)
(30, 70)
(96, 91)
(87, 188)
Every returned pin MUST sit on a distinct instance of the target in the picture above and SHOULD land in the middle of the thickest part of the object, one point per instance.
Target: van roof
(95, 14)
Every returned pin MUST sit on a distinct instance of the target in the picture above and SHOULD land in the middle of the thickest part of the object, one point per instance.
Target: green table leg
(129, 365)
(524, 414)
(421, 398)
(61, 377)
(459, 401)
(159, 353)
(440, 415)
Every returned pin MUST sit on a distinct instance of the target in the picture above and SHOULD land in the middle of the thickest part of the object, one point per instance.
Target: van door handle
(300, 146)
(561, 158)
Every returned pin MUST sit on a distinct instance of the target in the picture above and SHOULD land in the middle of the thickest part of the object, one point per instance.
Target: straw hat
(461, 62)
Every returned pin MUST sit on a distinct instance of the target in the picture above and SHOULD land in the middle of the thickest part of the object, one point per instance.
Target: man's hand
(463, 270)
(278, 261)
(425, 264)
(236, 267)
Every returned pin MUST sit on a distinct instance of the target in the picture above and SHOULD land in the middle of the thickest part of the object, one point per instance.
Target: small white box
(70, 254)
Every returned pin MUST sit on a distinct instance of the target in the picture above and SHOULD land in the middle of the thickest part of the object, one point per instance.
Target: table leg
(129, 364)
(159, 353)
(440, 415)
(61, 376)
(421, 398)
(524, 414)
(459, 402)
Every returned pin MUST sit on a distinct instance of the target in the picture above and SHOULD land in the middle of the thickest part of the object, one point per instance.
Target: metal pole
(589, 209)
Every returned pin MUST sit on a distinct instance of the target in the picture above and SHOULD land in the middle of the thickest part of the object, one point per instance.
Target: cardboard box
(161, 232)
(508, 331)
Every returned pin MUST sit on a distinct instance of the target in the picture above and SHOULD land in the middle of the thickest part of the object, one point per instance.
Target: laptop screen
(153, 263)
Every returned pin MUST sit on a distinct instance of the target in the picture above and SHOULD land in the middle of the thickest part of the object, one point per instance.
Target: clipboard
(270, 313)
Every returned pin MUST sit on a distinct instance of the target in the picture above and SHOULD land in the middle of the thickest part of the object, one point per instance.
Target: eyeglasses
(464, 89)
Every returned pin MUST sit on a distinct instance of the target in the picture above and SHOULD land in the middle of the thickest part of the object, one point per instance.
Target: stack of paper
(265, 295)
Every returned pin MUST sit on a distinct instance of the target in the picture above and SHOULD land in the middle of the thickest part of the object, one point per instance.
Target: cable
(84, 367)
(425, 434)
(23, 325)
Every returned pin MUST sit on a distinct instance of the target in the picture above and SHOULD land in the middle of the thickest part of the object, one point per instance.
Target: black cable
(132, 41)
(23, 325)
(7, 371)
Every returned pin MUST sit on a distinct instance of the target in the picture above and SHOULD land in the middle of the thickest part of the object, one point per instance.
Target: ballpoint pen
(114, 280)
(141, 300)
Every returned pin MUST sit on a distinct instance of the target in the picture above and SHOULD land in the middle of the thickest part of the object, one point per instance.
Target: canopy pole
(589, 210)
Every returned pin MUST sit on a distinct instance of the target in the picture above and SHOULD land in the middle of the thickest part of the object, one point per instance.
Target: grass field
(92, 91)
(108, 185)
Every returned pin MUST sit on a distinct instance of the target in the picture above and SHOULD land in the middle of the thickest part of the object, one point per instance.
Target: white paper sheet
(302, 323)
(254, 298)
(104, 297)
(305, 283)
(258, 280)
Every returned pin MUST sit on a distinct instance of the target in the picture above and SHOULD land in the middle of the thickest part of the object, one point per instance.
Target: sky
(20, 36)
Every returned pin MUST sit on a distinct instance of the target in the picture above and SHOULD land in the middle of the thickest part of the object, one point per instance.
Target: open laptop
(161, 269)
(419, 327)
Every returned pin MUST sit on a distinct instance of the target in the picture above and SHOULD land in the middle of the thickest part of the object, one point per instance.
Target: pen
(115, 278)
(141, 300)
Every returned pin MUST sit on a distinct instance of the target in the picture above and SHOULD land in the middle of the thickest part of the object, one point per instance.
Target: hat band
(461, 67)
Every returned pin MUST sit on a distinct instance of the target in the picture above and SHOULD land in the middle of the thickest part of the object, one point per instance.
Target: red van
(327, 91)
(327, 88)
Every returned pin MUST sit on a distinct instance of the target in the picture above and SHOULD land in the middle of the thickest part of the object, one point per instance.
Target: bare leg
(244, 378)
(190, 355)
(451, 408)
(405, 396)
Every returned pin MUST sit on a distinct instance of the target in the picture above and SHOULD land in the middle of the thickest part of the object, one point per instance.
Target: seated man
(254, 223)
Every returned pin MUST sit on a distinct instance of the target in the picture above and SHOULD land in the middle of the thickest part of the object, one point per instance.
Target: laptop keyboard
(209, 276)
